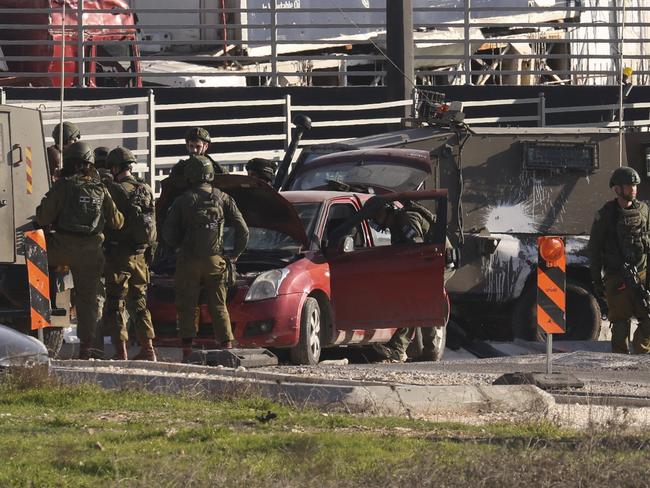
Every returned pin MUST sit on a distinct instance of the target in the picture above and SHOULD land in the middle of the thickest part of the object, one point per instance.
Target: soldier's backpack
(140, 217)
(82, 206)
(205, 232)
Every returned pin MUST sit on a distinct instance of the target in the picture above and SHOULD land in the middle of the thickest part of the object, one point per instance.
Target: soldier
(78, 208)
(197, 143)
(126, 272)
(620, 234)
(263, 169)
(409, 225)
(195, 226)
(71, 134)
(101, 153)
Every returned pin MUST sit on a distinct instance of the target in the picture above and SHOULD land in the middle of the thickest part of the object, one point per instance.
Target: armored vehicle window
(560, 155)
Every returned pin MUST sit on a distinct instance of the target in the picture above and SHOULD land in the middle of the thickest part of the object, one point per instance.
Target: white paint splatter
(510, 218)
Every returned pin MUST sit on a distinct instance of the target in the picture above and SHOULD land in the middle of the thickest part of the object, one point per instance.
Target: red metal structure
(31, 40)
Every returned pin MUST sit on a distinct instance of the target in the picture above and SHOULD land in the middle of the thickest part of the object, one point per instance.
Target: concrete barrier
(378, 398)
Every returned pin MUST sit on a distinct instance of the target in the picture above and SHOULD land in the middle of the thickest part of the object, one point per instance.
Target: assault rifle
(632, 279)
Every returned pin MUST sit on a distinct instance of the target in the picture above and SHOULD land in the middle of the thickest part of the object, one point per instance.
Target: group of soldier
(102, 227)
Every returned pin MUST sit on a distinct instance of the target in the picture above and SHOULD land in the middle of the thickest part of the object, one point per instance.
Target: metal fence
(333, 42)
(135, 123)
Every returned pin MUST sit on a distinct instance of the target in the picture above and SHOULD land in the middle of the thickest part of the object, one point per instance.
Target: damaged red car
(315, 274)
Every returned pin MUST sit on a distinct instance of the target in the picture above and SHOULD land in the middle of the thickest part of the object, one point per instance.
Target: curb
(375, 398)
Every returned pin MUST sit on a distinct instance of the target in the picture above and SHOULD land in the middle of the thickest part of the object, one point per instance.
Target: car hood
(17, 349)
(378, 170)
(262, 206)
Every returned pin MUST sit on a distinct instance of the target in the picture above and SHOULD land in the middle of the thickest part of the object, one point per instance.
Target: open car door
(400, 285)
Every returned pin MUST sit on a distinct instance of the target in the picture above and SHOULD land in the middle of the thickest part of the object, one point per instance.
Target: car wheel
(583, 318)
(308, 349)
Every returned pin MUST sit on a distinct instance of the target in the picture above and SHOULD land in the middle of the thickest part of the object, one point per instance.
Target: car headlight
(266, 285)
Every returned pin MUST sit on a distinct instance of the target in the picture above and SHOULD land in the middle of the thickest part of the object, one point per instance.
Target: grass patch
(70, 436)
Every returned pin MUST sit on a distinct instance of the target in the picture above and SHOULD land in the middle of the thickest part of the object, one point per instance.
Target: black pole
(303, 124)
(399, 42)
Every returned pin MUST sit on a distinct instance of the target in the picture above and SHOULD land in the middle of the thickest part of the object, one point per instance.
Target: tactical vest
(632, 233)
(140, 217)
(204, 235)
(82, 207)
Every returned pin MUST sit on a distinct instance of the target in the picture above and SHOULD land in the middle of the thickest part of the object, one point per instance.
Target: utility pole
(400, 78)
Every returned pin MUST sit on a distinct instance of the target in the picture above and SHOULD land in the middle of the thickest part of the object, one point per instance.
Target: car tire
(308, 349)
(583, 315)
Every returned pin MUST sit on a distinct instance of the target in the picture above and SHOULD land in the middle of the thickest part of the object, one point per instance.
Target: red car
(315, 274)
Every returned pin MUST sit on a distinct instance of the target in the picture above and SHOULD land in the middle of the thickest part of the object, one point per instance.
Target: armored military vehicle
(507, 186)
(24, 179)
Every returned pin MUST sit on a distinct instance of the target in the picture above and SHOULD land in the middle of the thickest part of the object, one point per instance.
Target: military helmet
(197, 133)
(264, 167)
(101, 153)
(199, 169)
(70, 131)
(624, 176)
(79, 152)
(121, 157)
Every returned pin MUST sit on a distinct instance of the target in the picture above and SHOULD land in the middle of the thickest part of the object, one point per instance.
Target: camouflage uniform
(176, 183)
(206, 267)
(81, 253)
(607, 243)
(127, 275)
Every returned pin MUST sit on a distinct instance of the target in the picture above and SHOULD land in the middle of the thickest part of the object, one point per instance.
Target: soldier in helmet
(263, 169)
(621, 234)
(101, 153)
(126, 272)
(195, 227)
(79, 208)
(409, 225)
(71, 134)
(197, 143)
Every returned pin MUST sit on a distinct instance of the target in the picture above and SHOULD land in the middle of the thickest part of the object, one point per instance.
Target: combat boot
(147, 351)
(85, 351)
(121, 353)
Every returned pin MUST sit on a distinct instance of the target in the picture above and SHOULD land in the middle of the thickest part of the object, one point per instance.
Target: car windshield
(371, 174)
(261, 239)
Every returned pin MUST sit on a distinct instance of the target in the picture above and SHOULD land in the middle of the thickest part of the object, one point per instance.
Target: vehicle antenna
(62, 92)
